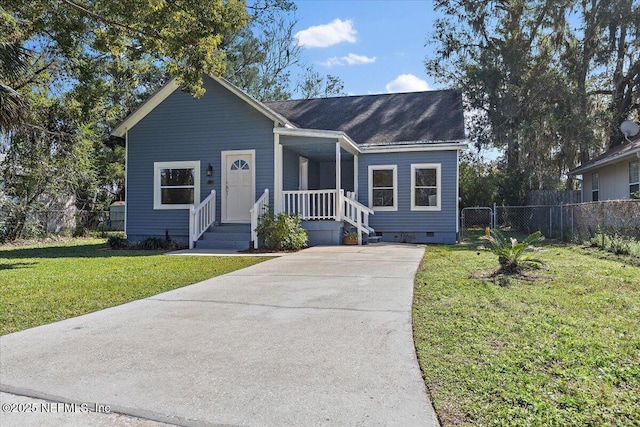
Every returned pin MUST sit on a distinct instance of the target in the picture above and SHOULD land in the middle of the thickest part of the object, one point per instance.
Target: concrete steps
(226, 236)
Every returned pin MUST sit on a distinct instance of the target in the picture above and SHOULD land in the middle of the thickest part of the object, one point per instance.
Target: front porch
(316, 177)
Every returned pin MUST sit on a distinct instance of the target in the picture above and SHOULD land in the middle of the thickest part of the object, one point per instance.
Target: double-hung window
(426, 187)
(383, 187)
(634, 180)
(595, 186)
(176, 185)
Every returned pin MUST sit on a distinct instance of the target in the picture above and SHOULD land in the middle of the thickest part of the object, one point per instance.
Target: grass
(41, 284)
(559, 349)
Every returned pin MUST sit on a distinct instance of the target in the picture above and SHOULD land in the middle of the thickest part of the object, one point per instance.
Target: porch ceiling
(315, 149)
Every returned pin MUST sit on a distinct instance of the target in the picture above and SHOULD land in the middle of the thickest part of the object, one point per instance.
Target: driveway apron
(320, 337)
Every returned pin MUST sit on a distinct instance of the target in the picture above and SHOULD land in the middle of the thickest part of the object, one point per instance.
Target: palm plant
(512, 255)
(13, 64)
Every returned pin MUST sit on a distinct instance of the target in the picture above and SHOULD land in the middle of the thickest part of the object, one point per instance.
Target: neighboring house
(385, 165)
(613, 174)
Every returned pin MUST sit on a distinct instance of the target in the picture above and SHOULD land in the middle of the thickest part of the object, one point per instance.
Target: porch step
(226, 236)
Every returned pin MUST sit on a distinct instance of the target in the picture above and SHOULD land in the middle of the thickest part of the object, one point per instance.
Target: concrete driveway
(320, 337)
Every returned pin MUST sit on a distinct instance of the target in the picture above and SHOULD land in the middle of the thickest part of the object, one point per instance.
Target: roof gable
(132, 119)
(432, 116)
(612, 155)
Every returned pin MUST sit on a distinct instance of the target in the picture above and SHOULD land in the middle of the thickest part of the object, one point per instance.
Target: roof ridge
(365, 96)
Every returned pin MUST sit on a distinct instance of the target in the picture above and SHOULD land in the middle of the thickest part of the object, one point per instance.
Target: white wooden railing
(357, 214)
(312, 204)
(259, 208)
(201, 217)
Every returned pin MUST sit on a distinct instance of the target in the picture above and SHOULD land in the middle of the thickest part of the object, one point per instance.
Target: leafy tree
(478, 181)
(262, 57)
(538, 77)
(45, 163)
(14, 64)
(314, 85)
(185, 35)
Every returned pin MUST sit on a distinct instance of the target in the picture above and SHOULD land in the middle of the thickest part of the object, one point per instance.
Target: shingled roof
(612, 155)
(428, 117)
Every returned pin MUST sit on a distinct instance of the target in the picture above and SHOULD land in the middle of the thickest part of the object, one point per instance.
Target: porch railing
(201, 217)
(259, 208)
(357, 214)
(313, 204)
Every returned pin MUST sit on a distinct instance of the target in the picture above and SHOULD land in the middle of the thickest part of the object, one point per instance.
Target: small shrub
(616, 244)
(282, 232)
(512, 255)
(118, 242)
(156, 244)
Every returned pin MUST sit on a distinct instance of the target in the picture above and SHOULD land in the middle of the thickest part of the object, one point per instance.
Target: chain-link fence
(576, 222)
(476, 218)
(581, 222)
(529, 219)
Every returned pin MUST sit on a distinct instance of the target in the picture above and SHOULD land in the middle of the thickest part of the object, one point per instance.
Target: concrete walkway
(320, 337)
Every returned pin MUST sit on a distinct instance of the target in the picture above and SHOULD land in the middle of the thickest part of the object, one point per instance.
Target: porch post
(355, 176)
(339, 192)
(277, 174)
(338, 167)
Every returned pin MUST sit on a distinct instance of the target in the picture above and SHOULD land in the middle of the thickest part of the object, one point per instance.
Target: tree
(314, 85)
(262, 57)
(72, 69)
(259, 58)
(478, 181)
(536, 75)
(184, 35)
(14, 63)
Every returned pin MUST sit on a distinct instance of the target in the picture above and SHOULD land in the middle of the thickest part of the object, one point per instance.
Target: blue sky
(374, 46)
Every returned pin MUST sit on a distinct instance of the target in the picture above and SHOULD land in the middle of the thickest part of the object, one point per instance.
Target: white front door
(238, 187)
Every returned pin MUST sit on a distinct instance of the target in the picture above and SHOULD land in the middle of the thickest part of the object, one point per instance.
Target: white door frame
(223, 178)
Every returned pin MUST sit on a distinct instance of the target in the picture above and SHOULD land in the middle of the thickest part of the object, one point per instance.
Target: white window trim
(395, 188)
(634, 182)
(158, 166)
(437, 167)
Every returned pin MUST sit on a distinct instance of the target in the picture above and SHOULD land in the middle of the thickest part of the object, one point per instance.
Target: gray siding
(405, 224)
(314, 175)
(290, 170)
(328, 175)
(186, 129)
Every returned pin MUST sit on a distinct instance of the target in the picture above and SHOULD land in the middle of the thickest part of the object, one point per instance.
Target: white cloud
(330, 62)
(351, 59)
(337, 31)
(407, 83)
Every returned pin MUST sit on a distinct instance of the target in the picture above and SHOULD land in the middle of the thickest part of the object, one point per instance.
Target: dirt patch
(502, 279)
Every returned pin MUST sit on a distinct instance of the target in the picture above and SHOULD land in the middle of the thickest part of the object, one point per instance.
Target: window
(425, 187)
(239, 165)
(634, 180)
(383, 188)
(176, 185)
(595, 186)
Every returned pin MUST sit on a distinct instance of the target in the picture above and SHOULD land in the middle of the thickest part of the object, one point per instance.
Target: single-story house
(613, 174)
(203, 170)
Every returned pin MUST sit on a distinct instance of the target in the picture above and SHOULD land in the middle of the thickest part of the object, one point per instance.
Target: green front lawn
(559, 349)
(45, 283)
